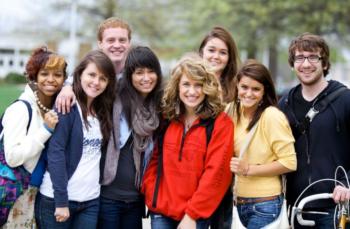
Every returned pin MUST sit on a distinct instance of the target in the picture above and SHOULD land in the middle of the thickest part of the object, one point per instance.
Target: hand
(341, 194)
(51, 119)
(238, 166)
(65, 99)
(187, 223)
(62, 214)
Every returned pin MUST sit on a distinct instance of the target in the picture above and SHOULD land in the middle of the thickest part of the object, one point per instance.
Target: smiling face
(115, 44)
(250, 93)
(190, 93)
(309, 73)
(215, 52)
(93, 82)
(49, 81)
(144, 80)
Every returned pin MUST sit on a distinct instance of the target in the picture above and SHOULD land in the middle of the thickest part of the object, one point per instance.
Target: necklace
(40, 105)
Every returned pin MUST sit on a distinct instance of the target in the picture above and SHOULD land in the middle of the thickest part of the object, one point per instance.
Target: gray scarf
(144, 123)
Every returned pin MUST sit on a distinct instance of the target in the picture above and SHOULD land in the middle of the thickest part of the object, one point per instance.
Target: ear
(99, 44)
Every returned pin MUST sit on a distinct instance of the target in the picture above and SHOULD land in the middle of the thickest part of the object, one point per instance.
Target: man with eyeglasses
(323, 143)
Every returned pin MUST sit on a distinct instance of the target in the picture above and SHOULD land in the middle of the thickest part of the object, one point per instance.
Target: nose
(216, 55)
(51, 77)
(306, 62)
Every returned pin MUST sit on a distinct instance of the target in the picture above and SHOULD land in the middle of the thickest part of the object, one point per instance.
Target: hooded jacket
(321, 148)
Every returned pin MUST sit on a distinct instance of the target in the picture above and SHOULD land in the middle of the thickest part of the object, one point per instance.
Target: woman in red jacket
(189, 175)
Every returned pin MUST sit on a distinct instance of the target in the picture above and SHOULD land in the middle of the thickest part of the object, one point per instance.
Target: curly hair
(230, 71)
(43, 57)
(311, 43)
(102, 104)
(194, 67)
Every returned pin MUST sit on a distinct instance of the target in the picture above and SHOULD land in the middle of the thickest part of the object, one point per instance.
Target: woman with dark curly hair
(24, 135)
(69, 194)
(188, 188)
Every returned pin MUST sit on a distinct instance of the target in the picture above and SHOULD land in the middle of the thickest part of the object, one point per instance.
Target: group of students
(128, 142)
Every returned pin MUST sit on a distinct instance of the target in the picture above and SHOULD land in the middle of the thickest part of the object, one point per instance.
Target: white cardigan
(23, 148)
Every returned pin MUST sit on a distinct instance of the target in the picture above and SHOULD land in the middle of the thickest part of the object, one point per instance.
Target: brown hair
(230, 71)
(256, 71)
(42, 57)
(194, 67)
(311, 43)
(102, 105)
(112, 22)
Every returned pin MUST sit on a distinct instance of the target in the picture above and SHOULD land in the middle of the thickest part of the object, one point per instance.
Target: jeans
(83, 215)
(258, 215)
(321, 221)
(159, 221)
(115, 214)
(222, 217)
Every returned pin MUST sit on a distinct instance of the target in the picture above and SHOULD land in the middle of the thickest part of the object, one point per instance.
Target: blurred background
(262, 29)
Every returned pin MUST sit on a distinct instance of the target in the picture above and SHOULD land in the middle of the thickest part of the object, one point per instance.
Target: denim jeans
(83, 215)
(258, 215)
(321, 221)
(159, 221)
(115, 214)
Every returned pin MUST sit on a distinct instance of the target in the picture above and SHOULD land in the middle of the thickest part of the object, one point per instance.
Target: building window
(10, 62)
(1, 62)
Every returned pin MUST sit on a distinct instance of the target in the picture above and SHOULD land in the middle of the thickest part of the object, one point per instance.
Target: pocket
(268, 208)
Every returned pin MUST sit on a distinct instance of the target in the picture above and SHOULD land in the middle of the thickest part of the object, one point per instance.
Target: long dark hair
(230, 71)
(256, 71)
(139, 57)
(102, 105)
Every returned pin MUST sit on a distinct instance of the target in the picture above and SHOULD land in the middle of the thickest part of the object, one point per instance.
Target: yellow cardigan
(272, 141)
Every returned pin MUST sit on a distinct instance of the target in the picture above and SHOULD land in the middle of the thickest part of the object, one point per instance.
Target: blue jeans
(82, 214)
(159, 221)
(258, 215)
(115, 214)
(321, 221)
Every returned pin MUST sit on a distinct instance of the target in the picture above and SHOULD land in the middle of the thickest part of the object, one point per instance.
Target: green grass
(8, 93)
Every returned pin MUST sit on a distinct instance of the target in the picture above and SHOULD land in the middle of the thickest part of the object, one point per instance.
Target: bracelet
(246, 171)
(48, 128)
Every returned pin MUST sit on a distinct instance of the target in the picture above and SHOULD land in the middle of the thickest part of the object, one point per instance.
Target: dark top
(123, 186)
(322, 148)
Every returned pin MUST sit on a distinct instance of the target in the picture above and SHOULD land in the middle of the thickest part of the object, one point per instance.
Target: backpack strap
(30, 113)
(319, 106)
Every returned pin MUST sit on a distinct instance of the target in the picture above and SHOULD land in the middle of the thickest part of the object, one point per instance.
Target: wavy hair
(258, 72)
(230, 71)
(102, 105)
(194, 67)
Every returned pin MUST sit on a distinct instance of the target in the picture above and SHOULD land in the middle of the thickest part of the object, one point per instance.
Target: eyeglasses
(312, 59)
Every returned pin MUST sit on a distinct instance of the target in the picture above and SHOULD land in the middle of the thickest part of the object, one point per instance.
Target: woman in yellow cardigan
(271, 150)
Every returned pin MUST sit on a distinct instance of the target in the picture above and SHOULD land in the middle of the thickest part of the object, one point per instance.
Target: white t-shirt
(84, 183)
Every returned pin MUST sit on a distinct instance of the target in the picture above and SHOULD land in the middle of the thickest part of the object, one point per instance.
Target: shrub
(15, 78)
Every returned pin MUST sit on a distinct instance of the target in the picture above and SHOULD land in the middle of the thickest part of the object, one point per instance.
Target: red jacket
(194, 179)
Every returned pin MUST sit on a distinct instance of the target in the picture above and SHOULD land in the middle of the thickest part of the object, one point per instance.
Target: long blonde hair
(194, 67)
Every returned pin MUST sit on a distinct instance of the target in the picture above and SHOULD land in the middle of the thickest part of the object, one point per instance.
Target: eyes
(246, 88)
(94, 75)
(56, 74)
(221, 52)
(196, 85)
(311, 58)
(121, 40)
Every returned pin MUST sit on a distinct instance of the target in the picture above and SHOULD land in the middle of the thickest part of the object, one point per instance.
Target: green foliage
(8, 93)
(15, 78)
